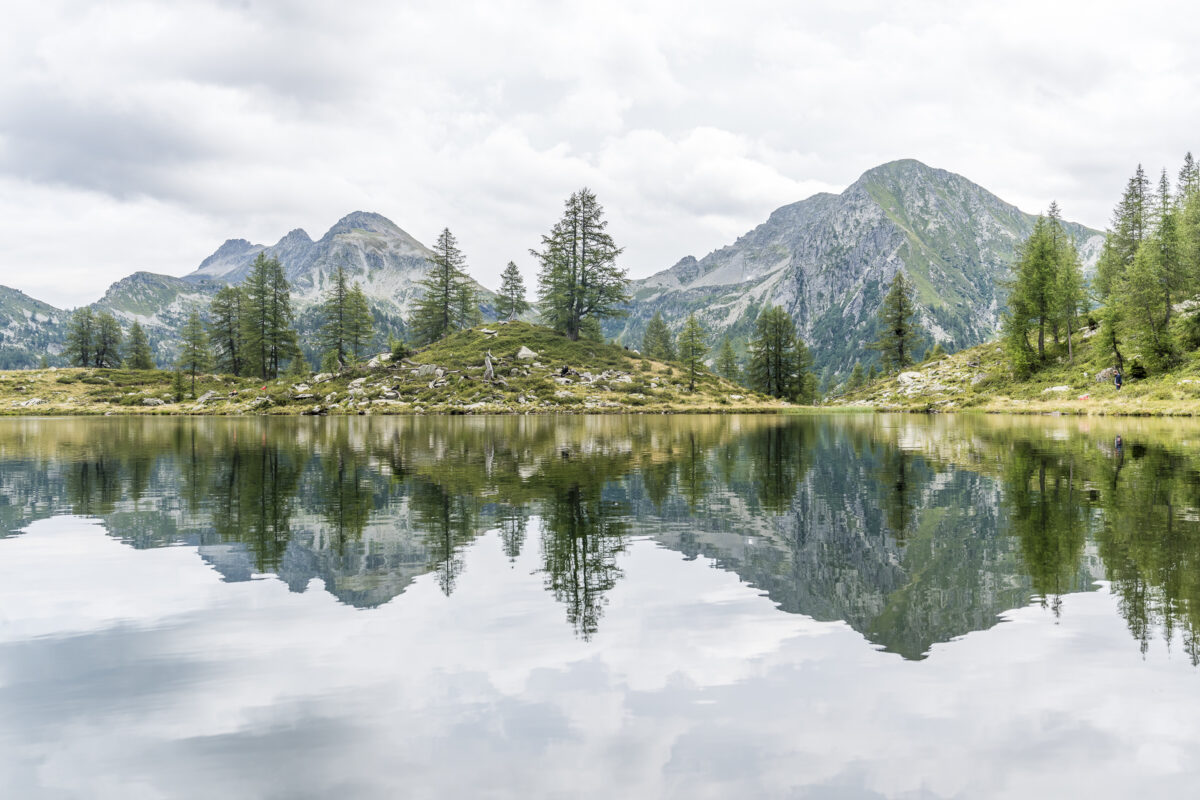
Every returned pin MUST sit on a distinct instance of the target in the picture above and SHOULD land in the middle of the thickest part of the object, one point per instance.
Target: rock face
(375, 252)
(28, 329)
(828, 261)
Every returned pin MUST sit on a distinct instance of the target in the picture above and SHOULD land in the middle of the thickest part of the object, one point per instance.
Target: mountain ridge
(827, 260)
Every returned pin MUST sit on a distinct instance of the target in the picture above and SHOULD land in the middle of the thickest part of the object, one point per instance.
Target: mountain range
(827, 260)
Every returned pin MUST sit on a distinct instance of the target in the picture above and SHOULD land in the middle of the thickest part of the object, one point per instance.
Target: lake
(835, 606)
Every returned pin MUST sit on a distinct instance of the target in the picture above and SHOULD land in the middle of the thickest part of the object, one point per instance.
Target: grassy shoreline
(561, 377)
(978, 380)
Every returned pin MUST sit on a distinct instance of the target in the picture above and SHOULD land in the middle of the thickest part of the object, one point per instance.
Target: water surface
(599, 607)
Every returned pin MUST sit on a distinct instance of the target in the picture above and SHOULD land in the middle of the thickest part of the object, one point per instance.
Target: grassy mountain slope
(979, 378)
(447, 377)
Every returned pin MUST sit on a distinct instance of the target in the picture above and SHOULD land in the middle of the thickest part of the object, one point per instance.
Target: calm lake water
(612, 607)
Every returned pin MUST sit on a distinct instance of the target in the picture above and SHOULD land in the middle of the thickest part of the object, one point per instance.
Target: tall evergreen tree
(657, 341)
(227, 324)
(466, 307)
(692, 350)
(360, 325)
(898, 330)
(580, 282)
(780, 364)
(1130, 224)
(1189, 178)
(81, 337)
(511, 303)
(267, 334)
(108, 341)
(857, 377)
(727, 363)
(441, 308)
(137, 354)
(335, 322)
(193, 349)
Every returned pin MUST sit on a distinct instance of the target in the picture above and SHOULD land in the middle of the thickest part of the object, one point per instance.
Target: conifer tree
(727, 363)
(1130, 224)
(335, 322)
(268, 337)
(360, 326)
(466, 307)
(81, 335)
(444, 293)
(193, 350)
(871, 374)
(692, 350)
(579, 283)
(898, 330)
(138, 355)
(780, 364)
(1189, 178)
(857, 377)
(108, 341)
(657, 342)
(511, 303)
(227, 323)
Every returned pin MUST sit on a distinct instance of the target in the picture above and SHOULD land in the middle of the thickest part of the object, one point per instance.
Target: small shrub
(65, 379)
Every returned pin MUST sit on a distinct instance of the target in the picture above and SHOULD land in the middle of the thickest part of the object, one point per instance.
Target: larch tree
(137, 353)
(657, 341)
(780, 364)
(898, 330)
(269, 338)
(227, 324)
(692, 350)
(727, 363)
(1130, 225)
(107, 344)
(360, 324)
(579, 283)
(440, 308)
(335, 322)
(511, 302)
(81, 337)
(194, 356)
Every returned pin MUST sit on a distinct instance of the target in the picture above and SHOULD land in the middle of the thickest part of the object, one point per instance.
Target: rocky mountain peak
(367, 221)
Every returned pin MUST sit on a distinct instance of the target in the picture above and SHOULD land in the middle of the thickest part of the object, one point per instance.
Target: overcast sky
(140, 135)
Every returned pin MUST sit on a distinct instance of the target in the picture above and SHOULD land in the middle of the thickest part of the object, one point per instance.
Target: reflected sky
(133, 666)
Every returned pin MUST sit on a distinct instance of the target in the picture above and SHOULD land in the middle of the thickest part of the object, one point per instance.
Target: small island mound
(533, 370)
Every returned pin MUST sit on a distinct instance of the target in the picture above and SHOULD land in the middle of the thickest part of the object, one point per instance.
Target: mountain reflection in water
(912, 530)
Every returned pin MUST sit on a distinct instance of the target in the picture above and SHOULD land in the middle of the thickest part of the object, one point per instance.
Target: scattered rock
(300, 387)
(379, 360)
(525, 354)
(209, 395)
(564, 394)
(736, 397)
(153, 401)
(427, 371)
(909, 377)
(1106, 375)
(357, 382)
(322, 377)
(1050, 389)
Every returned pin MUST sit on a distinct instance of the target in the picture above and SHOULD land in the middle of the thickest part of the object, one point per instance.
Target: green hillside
(980, 379)
(448, 378)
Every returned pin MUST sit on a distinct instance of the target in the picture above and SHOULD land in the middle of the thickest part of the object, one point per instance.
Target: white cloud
(142, 134)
